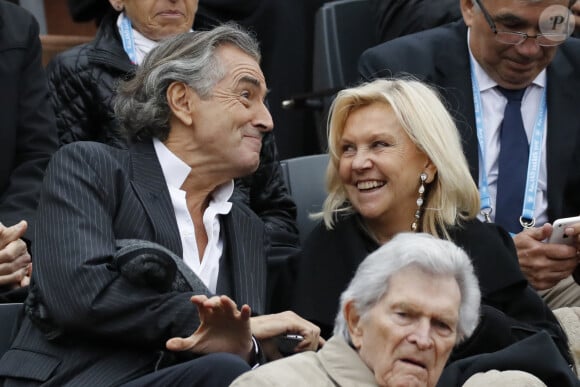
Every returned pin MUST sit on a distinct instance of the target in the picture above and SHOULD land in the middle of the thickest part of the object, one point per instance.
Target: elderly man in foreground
(408, 304)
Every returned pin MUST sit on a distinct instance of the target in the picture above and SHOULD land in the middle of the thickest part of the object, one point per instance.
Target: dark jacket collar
(107, 47)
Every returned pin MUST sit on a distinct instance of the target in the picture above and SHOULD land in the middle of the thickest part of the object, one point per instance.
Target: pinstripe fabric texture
(103, 329)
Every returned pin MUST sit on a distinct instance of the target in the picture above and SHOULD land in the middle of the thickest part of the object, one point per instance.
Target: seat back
(55, 44)
(343, 29)
(10, 318)
(305, 178)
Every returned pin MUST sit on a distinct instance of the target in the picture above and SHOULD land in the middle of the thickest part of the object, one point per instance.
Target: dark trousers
(214, 370)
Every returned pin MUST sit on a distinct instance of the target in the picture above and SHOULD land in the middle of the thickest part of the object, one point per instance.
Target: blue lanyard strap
(128, 39)
(527, 218)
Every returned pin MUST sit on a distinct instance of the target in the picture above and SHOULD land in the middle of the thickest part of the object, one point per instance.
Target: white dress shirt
(175, 172)
(493, 106)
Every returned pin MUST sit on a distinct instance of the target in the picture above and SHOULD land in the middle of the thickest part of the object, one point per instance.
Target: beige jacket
(336, 364)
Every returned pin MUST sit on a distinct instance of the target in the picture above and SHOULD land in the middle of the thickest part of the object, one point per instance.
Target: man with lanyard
(502, 48)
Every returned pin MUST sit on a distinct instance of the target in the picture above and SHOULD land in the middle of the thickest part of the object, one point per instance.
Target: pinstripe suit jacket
(86, 324)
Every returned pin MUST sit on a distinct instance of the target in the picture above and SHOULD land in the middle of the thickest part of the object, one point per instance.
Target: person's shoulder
(345, 235)
(13, 14)
(484, 239)
(493, 254)
(422, 40)
(344, 224)
(74, 59)
(415, 54)
(90, 150)
(474, 229)
(571, 43)
(91, 158)
(15, 26)
(297, 370)
(570, 50)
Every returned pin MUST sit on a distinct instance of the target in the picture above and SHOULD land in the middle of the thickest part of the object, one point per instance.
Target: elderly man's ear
(181, 100)
(353, 321)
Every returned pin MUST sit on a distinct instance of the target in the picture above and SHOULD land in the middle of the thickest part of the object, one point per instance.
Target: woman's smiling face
(380, 166)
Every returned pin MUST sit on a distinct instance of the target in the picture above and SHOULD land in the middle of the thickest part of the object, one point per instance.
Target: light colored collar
(142, 44)
(344, 364)
(176, 171)
(485, 82)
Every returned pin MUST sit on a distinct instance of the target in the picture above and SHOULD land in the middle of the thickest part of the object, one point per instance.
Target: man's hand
(15, 262)
(544, 264)
(222, 329)
(267, 328)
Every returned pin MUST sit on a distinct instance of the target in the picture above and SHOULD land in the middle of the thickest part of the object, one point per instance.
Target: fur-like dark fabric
(148, 264)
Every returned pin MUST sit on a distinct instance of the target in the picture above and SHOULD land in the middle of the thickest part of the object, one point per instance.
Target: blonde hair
(452, 195)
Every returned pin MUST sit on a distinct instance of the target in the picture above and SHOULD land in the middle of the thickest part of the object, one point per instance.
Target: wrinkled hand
(544, 264)
(266, 328)
(222, 328)
(15, 266)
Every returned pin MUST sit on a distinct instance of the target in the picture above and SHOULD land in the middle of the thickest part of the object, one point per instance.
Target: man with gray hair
(124, 283)
(408, 304)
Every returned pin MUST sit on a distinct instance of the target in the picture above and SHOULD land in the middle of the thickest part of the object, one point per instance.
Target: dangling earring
(415, 224)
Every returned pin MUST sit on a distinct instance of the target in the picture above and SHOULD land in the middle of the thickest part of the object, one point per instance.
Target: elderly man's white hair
(434, 256)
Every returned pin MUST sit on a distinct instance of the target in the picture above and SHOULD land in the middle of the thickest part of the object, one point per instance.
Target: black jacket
(82, 81)
(511, 310)
(27, 129)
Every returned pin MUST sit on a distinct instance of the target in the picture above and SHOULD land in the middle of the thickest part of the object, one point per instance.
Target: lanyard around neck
(128, 38)
(527, 218)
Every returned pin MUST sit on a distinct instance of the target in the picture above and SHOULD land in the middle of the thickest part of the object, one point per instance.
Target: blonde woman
(396, 165)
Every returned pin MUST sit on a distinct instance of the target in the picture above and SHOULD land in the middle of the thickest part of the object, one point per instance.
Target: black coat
(511, 310)
(27, 129)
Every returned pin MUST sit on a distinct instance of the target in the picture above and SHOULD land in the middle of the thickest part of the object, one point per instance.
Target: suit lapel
(453, 75)
(246, 253)
(563, 129)
(243, 233)
(149, 185)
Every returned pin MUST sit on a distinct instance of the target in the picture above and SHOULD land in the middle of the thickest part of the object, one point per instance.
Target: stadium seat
(305, 178)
